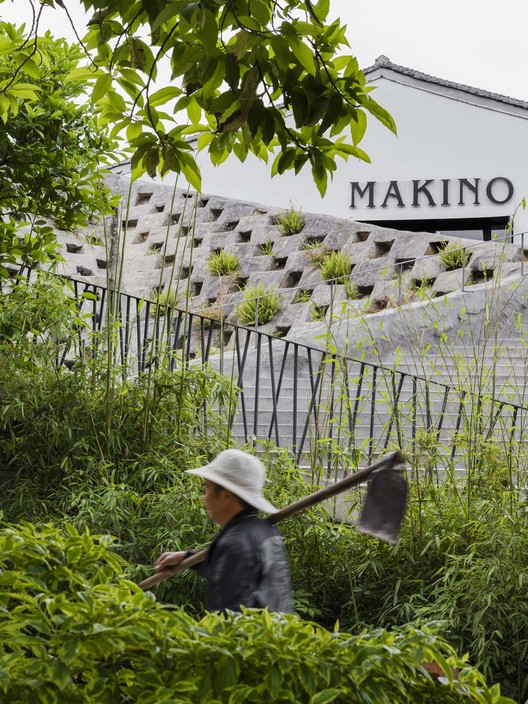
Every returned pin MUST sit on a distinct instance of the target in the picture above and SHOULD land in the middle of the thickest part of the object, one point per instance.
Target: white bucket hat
(241, 473)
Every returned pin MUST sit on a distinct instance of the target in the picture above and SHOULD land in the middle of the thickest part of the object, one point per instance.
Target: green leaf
(101, 87)
(303, 54)
(194, 112)
(27, 91)
(208, 32)
(27, 65)
(83, 74)
(163, 95)
(380, 113)
(167, 13)
(325, 696)
(322, 8)
(281, 50)
(190, 171)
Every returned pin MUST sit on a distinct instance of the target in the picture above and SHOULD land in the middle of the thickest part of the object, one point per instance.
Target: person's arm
(167, 560)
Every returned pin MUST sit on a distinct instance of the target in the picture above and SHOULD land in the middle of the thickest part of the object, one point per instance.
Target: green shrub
(291, 222)
(222, 263)
(73, 630)
(257, 298)
(87, 448)
(336, 267)
(302, 296)
(454, 255)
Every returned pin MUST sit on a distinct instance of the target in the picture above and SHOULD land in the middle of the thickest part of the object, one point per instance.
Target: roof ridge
(384, 62)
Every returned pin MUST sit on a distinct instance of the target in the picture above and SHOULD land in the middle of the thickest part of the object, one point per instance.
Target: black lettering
(393, 192)
(445, 191)
(417, 189)
(473, 187)
(369, 188)
(492, 197)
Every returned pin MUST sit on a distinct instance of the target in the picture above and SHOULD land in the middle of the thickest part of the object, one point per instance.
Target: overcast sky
(481, 43)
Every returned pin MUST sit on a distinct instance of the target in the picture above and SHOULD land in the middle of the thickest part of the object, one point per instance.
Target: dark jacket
(246, 565)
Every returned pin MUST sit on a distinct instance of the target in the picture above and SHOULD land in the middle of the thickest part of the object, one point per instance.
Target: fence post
(256, 320)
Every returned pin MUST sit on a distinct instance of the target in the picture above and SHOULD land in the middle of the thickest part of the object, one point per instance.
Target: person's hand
(169, 559)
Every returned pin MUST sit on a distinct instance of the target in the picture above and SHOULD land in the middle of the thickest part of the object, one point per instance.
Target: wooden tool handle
(165, 574)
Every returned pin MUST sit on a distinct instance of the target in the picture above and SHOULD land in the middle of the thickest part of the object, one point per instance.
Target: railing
(326, 407)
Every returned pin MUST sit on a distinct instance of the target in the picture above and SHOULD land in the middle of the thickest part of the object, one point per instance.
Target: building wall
(449, 135)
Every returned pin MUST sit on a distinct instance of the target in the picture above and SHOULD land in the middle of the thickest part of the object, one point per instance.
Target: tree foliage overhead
(51, 146)
(255, 76)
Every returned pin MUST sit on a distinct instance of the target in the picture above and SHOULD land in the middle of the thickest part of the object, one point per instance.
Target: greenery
(290, 222)
(302, 295)
(318, 312)
(167, 298)
(310, 244)
(351, 290)
(266, 247)
(236, 72)
(72, 629)
(316, 253)
(336, 267)
(258, 306)
(88, 448)
(51, 147)
(454, 255)
(222, 263)
(94, 240)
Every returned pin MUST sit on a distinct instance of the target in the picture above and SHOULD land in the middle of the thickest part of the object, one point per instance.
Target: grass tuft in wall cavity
(258, 306)
(222, 263)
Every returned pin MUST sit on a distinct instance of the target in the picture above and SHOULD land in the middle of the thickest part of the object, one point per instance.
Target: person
(246, 564)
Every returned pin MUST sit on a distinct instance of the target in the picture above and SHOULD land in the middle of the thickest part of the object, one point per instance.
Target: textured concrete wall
(162, 238)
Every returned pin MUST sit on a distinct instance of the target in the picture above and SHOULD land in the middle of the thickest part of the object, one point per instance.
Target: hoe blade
(384, 505)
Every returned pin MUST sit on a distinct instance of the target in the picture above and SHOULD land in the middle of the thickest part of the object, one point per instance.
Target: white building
(458, 164)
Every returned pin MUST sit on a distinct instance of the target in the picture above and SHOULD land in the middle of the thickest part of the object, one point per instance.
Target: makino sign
(429, 193)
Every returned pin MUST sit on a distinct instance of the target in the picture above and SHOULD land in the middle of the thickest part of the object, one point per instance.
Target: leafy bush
(291, 222)
(72, 629)
(87, 448)
(336, 267)
(454, 255)
(222, 263)
(257, 298)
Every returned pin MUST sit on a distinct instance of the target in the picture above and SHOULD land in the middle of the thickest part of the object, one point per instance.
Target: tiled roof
(384, 62)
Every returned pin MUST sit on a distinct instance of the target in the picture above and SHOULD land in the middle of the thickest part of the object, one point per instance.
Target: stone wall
(162, 238)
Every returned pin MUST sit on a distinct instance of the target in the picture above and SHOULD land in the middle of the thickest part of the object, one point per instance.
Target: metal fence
(327, 408)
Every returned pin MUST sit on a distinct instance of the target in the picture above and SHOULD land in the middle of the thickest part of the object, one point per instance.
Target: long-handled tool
(381, 515)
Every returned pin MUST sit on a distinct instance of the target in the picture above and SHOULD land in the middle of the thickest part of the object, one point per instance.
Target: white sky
(481, 43)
